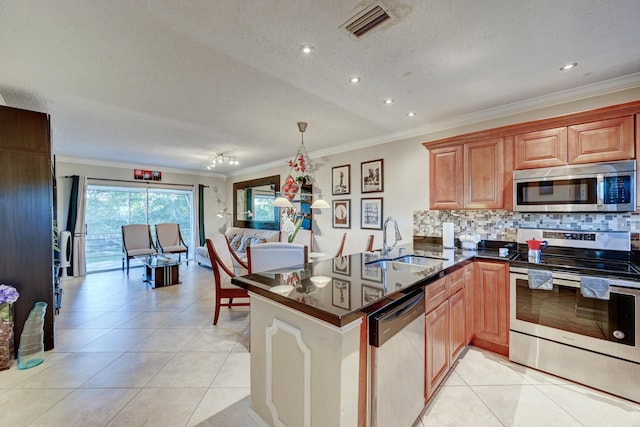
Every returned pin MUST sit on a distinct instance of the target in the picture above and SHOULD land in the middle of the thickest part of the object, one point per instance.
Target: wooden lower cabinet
(445, 328)
(457, 327)
(492, 306)
(437, 347)
(469, 300)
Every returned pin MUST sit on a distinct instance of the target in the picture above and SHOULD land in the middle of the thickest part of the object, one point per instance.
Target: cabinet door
(602, 141)
(435, 294)
(483, 174)
(457, 325)
(437, 347)
(26, 210)
(469, 300)
(445, 179)
(541, 149)
(492, 302)
(455, 281)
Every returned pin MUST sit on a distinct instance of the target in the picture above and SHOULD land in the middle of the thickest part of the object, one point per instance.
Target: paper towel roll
(447, 235)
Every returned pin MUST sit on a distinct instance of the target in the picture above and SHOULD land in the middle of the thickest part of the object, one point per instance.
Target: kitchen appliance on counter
(397, 361)
(469, 240)
(598, 187)
(575, 311)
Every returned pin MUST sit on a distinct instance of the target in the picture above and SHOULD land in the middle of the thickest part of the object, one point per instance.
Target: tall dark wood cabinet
(26, 209)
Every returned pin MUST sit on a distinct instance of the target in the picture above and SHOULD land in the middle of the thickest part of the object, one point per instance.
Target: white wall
(405, 190)
(66, 168)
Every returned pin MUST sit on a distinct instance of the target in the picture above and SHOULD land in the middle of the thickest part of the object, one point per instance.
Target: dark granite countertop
(341, 290)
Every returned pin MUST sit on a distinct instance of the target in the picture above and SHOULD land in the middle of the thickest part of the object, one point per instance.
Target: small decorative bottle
(31, 350)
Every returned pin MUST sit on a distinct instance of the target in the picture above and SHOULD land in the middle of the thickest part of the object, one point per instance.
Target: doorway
(111, 207)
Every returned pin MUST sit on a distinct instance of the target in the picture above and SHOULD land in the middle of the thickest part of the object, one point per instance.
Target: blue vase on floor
(31, 350)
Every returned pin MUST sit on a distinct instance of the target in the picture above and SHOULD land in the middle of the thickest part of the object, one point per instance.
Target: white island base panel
(304, 371)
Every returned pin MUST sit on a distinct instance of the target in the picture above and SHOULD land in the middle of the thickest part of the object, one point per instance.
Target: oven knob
(618, 334)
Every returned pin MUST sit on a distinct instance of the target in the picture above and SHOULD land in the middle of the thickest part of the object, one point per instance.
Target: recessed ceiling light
(411, 114)
(355, 80)
(388, 101)
(306, 49)
(568, 66)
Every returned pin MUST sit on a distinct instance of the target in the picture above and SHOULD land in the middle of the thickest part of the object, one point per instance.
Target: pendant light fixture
(301, 164)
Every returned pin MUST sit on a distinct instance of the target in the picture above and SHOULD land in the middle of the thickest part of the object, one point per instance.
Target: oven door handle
(556, 281)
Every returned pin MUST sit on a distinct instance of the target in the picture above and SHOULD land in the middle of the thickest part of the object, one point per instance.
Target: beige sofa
(241, 237)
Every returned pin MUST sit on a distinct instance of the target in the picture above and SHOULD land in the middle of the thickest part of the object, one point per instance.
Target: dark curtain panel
(73, 213)
(201, 213)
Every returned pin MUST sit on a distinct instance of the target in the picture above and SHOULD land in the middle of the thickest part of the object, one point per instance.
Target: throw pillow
(236, 241)
(257, 240)
(243, 244)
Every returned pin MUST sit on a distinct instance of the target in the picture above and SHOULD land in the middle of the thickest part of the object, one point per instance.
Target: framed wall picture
(371, 272)
(371, 213)
(342, 265)
(341, 294)
(341, 180)
(342, 214)
(370, 294)
(372, 177)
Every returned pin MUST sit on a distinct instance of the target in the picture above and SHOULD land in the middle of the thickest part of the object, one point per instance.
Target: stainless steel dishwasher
(396, 355)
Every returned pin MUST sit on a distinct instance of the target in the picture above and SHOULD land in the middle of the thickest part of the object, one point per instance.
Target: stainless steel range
(574, 312)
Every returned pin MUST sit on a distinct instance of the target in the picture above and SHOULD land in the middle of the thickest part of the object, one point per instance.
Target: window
(262, 206)
(108, 208)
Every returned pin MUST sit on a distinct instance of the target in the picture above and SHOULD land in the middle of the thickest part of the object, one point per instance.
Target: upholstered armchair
(170, 240)
(136, 241)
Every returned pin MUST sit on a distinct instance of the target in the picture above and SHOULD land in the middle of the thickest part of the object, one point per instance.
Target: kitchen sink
(420, 260)
(407, 263)
(383, 263)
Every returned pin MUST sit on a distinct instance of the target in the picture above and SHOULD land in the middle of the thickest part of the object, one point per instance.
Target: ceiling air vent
(367, 20)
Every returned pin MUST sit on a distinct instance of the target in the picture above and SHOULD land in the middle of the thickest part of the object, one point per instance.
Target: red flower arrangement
(300, 165)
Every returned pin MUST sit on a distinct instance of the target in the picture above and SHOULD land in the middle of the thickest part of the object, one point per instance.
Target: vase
(6, 335)
(31, 350)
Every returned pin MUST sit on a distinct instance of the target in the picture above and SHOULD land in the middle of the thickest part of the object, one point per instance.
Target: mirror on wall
(252, 203)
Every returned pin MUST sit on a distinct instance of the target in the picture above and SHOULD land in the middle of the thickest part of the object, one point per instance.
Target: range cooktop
(582, 252)
(600, 265)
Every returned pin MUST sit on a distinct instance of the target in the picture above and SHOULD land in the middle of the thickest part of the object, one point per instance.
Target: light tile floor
(129, 355)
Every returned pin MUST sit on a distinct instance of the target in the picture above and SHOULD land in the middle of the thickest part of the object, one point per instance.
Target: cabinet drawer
(455, 281)
(435, 294)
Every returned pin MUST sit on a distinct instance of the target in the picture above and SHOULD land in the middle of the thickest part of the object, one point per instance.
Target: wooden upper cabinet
(483, 174)
(446, 178)
(541, 149)
(602, 141)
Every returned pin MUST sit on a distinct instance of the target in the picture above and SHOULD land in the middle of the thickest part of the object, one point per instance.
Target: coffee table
(161, 270)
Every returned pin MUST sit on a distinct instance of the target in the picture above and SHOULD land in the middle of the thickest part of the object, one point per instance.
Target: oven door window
(566, 309)
(557, 192)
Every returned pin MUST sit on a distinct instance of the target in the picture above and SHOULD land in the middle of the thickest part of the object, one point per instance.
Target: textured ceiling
(170, 83)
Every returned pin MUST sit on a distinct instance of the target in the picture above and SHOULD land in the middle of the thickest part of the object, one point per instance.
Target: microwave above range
(597, 187)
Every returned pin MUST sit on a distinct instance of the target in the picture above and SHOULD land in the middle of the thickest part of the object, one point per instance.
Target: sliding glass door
(110, 207)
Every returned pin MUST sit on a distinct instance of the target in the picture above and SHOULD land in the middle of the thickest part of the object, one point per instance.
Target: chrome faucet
(385, 246)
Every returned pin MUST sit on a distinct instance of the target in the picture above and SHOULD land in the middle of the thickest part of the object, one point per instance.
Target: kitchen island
(309, 332)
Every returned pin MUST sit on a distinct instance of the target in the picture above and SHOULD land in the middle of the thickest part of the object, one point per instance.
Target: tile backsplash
(503, 225)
